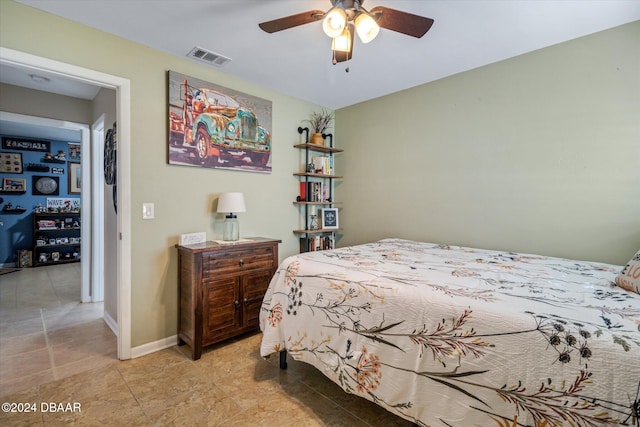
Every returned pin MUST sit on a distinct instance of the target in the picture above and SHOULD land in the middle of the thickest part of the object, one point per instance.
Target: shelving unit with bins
(56, 232)
(310, 235)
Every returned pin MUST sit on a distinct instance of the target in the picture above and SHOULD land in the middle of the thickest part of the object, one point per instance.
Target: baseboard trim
(112, 324)
(8, 265)
(154, 346)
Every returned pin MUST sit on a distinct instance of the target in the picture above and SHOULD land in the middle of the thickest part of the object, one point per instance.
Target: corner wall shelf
(316, 190)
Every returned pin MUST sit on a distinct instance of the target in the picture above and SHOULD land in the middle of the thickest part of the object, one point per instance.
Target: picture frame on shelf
(329, 218)
(14, 184)
(55, 256)
(75, 178)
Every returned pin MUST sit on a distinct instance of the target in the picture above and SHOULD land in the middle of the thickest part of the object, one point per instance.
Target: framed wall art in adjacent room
(11, 162)
(45, 186)
(75, 178)
(75, 153)
(14, 184)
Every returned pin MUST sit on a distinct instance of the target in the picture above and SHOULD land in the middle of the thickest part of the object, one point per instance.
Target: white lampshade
(334, 22)
(366, 27)
(231, 202)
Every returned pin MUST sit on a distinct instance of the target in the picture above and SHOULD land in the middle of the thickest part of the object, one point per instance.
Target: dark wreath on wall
(110, 163)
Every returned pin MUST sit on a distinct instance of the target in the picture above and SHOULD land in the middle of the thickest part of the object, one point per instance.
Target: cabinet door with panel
(221, 289)
(220, 310)
(253, 289)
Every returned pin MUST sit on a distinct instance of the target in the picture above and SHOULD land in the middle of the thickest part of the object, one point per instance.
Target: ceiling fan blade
(291, 21)
(401, 22)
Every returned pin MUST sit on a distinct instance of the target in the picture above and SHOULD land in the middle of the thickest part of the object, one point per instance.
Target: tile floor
(46, 334)
(231, 385)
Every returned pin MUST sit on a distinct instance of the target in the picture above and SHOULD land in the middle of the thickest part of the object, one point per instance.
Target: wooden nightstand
(221, 289)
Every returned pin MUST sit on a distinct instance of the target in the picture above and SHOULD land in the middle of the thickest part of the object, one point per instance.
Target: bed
(453, 336)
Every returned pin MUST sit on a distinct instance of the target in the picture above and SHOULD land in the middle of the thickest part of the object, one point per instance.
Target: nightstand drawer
(239, 260)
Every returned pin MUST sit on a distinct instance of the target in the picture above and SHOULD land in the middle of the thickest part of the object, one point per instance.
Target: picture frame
(19, 185)
(55, 256)
(11, 162)
(329, 217)
(24, 144)
(75, 178)
(192, 103)
(75, 152)
(45, 186)
(25, 258)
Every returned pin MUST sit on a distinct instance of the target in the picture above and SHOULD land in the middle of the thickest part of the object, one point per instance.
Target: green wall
(539, 153)
(184, 197)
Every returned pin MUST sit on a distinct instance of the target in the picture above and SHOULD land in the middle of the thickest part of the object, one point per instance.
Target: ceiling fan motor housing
(351, 7)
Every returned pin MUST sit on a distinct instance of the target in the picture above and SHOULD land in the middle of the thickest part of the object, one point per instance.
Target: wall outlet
(193, 238)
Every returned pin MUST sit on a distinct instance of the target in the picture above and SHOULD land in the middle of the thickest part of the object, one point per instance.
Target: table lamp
(231, 203)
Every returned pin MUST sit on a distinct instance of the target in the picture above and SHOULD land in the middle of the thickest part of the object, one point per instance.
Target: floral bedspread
(453, 336)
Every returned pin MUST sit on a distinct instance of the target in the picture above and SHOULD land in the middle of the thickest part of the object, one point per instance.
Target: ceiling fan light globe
(335, 22)
(366, 27)
(342, 43)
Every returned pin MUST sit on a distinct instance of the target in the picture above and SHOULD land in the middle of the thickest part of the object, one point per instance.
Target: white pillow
(629, 277)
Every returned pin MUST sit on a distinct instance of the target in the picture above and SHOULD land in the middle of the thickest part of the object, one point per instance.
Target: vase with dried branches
(319, 122)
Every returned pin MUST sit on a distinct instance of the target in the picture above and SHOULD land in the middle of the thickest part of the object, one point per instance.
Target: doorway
(123, 258)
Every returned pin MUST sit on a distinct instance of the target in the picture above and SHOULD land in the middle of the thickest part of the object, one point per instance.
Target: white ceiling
(47, 82)
(54, 83)
(466, 34)
(30, 130)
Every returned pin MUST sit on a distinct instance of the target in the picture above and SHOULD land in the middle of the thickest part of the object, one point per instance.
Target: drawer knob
(241, 263)
(236, 303)
(246, 301)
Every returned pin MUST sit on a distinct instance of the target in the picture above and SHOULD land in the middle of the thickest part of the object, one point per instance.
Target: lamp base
(231, 230)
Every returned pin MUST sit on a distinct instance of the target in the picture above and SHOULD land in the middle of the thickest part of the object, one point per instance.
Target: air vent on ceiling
(207, 56)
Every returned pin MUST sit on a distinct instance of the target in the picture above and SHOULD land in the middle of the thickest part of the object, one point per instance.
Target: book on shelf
(317, 243)
(46, 224)
(313, 191)
(323, 164)
(303, 191)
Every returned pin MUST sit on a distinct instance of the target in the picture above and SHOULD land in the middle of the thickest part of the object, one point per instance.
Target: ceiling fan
(347, 17)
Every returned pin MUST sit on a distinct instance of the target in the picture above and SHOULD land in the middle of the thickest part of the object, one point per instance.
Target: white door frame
(97, 216)
(122, 87)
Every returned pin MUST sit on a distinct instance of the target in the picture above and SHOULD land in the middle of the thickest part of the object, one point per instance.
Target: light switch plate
(148, 211)
(192, 238)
